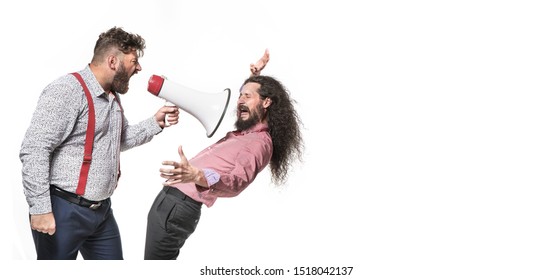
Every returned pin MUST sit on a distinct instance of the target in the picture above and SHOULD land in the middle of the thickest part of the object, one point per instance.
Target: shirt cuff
(153, 127)
(40, 205)
(211, 176)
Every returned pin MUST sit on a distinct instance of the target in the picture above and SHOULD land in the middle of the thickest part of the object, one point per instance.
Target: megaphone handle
(167, 103)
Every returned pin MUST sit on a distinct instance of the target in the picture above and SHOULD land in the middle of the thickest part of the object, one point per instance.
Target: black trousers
(173, 217)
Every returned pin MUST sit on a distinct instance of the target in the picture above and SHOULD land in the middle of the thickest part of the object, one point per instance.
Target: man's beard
(255, 118)
(121, 80)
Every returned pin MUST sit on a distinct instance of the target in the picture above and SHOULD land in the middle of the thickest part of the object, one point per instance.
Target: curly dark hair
(120, 39)
(284, 126)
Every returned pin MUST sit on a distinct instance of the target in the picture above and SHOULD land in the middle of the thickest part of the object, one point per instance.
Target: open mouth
(243, 110)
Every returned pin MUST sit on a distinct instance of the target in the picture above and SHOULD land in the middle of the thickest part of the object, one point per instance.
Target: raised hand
(256, 68)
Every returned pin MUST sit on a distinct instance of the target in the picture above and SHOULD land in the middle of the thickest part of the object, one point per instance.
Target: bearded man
(71, 151)
(267, 133)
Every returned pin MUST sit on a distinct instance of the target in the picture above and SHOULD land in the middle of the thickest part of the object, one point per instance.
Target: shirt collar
(256, 128)
(93, 84)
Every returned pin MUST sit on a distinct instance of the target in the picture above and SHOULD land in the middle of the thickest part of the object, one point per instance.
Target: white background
(427, 129)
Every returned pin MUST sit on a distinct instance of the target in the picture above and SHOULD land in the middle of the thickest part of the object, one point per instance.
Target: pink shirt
(231, 164)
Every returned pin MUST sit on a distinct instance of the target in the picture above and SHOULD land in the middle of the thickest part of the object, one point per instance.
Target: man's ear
(113, 61)
(267, 102)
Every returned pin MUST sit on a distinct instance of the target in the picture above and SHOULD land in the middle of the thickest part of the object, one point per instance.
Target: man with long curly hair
(267, 133)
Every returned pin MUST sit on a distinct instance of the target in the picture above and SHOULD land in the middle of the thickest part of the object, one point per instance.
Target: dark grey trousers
(173, 217)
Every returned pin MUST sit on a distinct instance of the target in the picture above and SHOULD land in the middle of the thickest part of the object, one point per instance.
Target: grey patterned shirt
(53, 147)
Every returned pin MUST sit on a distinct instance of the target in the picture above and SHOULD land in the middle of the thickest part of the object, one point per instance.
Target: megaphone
(208, 108)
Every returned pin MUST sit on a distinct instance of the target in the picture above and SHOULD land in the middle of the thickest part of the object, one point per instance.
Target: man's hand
(182, 172)
(167, 116)
(44, 223)
(256, 68)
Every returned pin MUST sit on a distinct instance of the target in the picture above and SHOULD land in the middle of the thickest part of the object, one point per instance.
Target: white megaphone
(208, 108)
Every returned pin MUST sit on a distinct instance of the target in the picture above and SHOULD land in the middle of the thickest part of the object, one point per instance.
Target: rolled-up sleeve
(251, 160)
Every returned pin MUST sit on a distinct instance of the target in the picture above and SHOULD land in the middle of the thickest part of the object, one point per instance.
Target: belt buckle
(95, 206)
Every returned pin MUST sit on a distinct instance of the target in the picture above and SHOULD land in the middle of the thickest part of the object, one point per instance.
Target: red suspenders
(89, 138)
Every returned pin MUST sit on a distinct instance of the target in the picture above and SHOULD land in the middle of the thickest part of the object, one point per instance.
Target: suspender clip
(87, 158)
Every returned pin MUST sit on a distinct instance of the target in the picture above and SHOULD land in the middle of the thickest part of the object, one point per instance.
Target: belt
(176, 192)
(76, 199)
